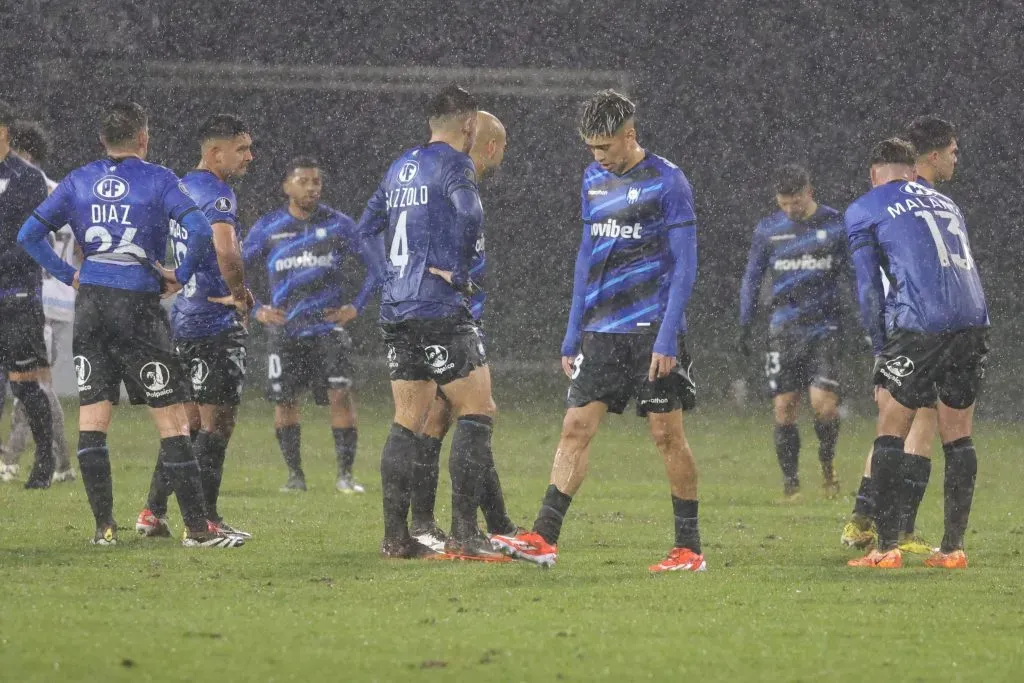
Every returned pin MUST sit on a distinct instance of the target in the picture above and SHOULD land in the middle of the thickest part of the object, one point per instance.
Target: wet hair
(221, 127)
(929, 133)
(30, 138)
(605, 113)
(6, 114)
(453, 101)
(791, 179)
(893, 151)
(299, 162)
(121, 122)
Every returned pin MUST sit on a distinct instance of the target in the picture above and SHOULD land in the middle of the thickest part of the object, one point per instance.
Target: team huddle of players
(421, 240)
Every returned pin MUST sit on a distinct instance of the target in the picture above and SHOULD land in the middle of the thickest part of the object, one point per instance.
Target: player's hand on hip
(445, 275)
(567, 365)
(268, 315)
(169, 284)
(341, 316)
(661, 365)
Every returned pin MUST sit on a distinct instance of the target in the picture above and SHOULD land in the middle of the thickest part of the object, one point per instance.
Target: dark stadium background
(727, 89)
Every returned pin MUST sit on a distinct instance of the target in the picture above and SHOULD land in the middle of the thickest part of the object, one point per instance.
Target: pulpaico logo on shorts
(897, 368)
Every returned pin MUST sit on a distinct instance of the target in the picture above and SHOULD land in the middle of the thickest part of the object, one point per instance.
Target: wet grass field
(309, 599)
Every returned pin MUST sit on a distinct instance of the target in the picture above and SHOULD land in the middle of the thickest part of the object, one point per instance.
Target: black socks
(425, 471)
(552, 513)
(469, 461)
(210, 450)
(828, 434)
(396, 467)
(865, 504)
(40, 422)
(687, 532)
(345, 441)
(289, 438)
(182, 470)
(914, 477)
(961, 471)
(94, 464)
(886, 465)
(787, 450)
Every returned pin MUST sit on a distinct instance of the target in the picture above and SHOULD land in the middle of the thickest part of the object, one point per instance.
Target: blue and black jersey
(22, 189)
(120, 210)
(193, 316)
(918, 237)
(413, 208)
(303, 260)
(638, 243)
(806, 260)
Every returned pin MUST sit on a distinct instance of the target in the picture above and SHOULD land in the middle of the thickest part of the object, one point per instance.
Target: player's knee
(667, 434)
(576, 426)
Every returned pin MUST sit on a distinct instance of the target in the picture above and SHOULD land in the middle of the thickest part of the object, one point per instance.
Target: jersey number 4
(946, 257)
(400, 246)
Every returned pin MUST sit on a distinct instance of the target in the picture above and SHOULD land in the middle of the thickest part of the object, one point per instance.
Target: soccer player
(207, 320)
(934, 140)
(303, 246)
(22, 349)
(487, 154)
(930, 339)
(635, 271)
(28, 140)
(421, 229)
(803, 246)
(119, 208)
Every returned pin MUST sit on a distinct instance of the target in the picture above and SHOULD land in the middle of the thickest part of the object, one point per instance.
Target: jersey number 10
(964, 261)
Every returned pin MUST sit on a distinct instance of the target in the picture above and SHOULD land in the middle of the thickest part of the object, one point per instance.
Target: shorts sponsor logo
(392, 358)
(200, 371)
(110, 188)
(897, 368)
(437, 357)
(83, 371)
(805, 262)
(659, 401)
(155, 377)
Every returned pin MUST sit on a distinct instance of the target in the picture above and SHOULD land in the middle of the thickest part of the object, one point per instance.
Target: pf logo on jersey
(408, 172)
(200, 371)
(110, 188)
(155, 377)
(83, 371)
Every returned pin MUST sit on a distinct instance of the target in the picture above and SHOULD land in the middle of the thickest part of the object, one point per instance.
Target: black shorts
(216, 367)
(121, 335)
(22, 345)
(317, 364)
(795, 364)
(439, 351)
(612, 368)
(918, 368)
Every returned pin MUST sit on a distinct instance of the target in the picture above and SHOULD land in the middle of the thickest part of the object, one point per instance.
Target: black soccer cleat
(296, 482)
(106, 534)
(407, 549)
(477, 548)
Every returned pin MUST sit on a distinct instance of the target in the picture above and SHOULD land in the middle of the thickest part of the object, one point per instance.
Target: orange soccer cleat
(529, 546)
(680, 560)
(952, 560)
(876, 559)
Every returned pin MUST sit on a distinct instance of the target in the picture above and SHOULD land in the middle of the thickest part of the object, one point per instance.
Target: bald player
(487, 154)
